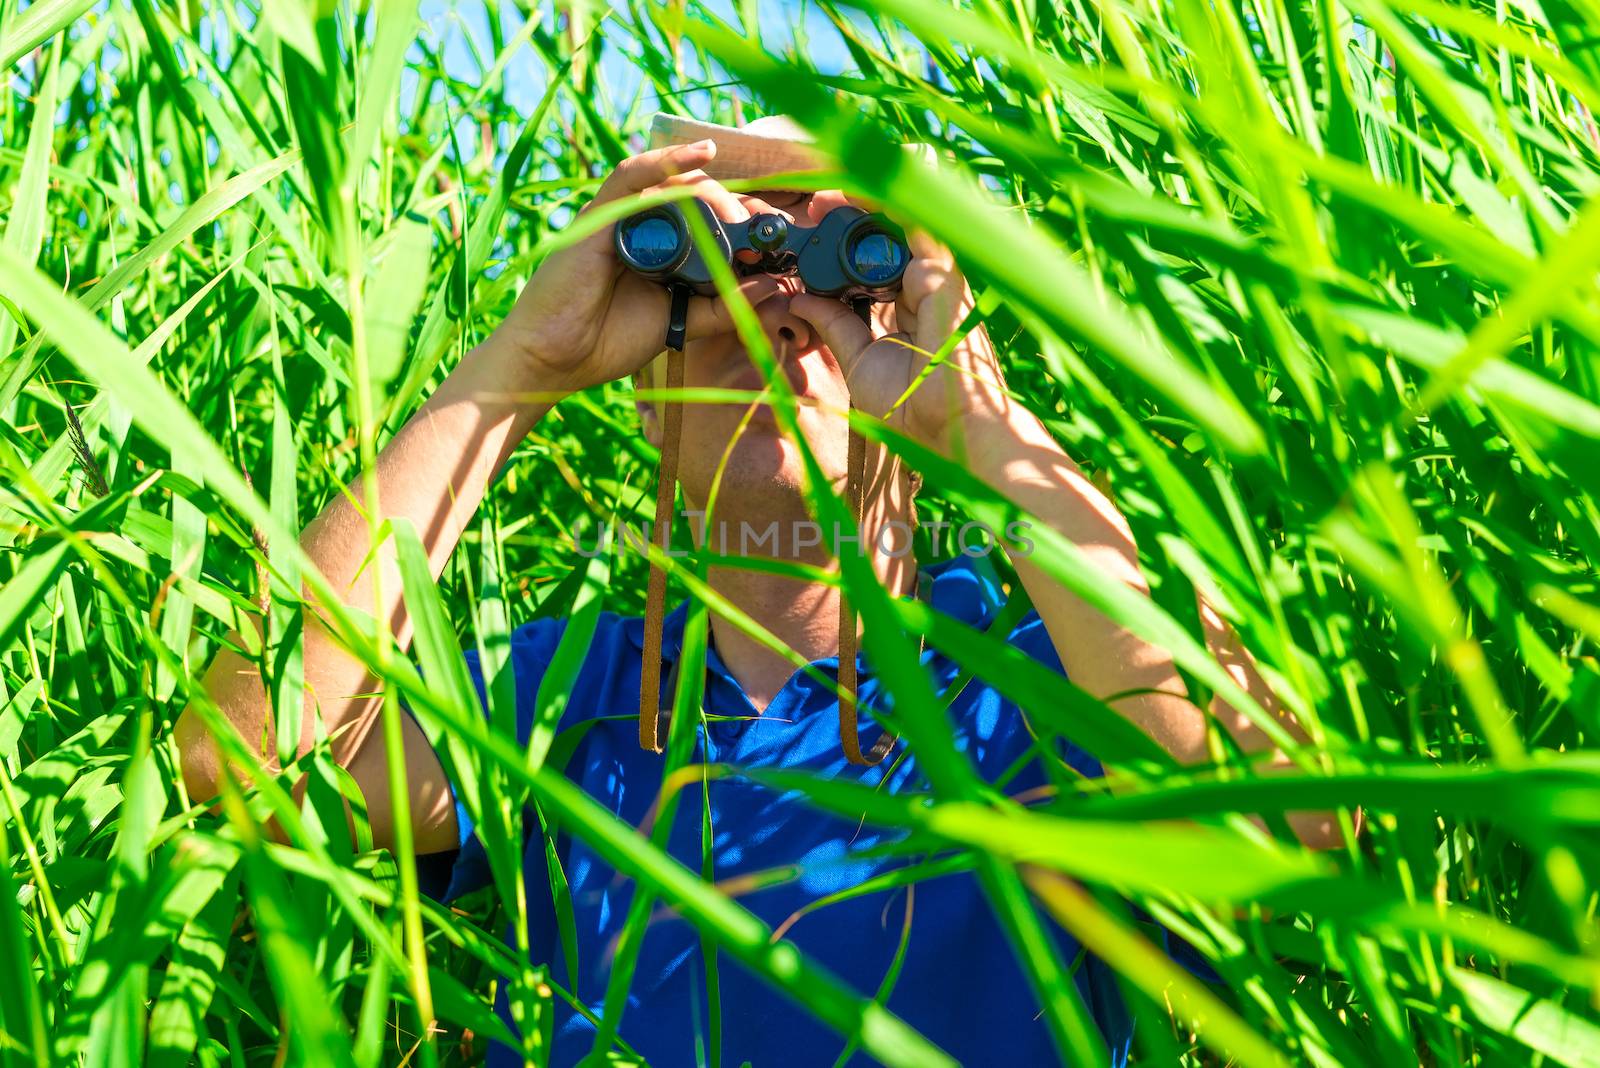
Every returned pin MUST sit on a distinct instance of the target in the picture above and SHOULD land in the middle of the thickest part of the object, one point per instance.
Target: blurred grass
(1309, 286)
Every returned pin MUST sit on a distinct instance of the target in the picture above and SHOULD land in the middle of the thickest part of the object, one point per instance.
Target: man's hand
(882, 361)
(584, 318)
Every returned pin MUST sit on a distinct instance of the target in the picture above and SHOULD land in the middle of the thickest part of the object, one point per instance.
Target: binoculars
(851, 254)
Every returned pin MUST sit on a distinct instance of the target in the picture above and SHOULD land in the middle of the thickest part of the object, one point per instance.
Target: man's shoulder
(969, 590)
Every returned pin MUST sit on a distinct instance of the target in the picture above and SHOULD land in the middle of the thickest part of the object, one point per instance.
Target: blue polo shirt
(960, 984)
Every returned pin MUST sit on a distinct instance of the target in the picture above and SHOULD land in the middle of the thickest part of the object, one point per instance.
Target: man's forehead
(787, 199)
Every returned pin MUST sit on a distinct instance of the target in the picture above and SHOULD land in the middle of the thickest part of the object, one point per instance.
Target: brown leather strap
(855, 496)
(655, 601)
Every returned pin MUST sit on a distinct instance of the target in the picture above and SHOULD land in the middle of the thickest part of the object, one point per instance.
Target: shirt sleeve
(1029, 636)
(448, 875)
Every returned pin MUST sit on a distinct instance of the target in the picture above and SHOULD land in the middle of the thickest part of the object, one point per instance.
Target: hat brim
(741, 153)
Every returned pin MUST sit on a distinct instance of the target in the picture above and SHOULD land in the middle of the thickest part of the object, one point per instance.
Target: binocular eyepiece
(851, 254)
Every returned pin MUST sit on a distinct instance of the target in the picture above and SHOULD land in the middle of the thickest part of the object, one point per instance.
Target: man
(583, 320)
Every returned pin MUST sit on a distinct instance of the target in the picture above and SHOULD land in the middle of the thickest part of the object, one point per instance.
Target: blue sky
(456, 21)
(462, 27)
(460, 30)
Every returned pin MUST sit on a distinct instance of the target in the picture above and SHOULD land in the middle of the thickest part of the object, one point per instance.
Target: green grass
(1310, 287)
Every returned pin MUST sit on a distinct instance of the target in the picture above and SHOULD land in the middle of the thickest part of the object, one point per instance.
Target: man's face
(764, 467)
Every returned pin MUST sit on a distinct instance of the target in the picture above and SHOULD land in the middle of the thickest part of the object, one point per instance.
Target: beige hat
(773, 144)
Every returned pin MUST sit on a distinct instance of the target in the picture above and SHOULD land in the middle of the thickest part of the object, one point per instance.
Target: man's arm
(580, 321)
(1010, 449)
(435, 473)
(1003, 444)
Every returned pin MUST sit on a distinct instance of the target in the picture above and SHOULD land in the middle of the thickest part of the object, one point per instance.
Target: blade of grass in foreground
(23, 32)
(1150, 969)
(1541, 1024)
(21, 1012)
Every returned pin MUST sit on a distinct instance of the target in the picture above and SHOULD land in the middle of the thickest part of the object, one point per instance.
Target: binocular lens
(876, 257)
(651, 241)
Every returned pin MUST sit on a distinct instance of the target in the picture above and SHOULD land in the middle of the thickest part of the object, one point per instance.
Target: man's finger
(924, 246)
(846, 336)
(638, 173)
(825, 200)
(723, 204)
(822, 202)
(932, 277)
(757, 206)
(919, 282)
(710, 315)
(728, 206)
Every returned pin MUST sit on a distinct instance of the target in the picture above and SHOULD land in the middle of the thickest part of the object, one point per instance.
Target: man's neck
(803, 616)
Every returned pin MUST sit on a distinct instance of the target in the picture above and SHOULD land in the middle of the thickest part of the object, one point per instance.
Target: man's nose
(782, 327)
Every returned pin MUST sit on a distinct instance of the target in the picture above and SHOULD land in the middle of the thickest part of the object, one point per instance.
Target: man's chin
(765, 471)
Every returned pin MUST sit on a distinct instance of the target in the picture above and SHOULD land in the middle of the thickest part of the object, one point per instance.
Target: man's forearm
(434, 473)
(1009, 448)
(1013, 451)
